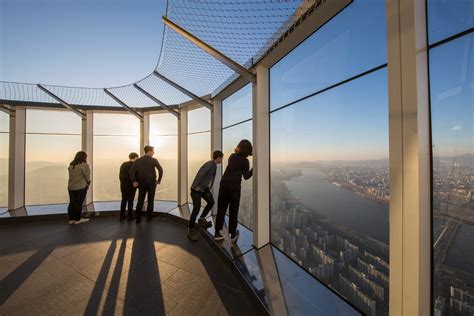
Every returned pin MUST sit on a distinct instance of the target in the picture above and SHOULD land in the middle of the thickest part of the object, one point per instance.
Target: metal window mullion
(183, 157)
(16, 159)
(410, 167)
(216, 144)
(87, 145)
(261, 158)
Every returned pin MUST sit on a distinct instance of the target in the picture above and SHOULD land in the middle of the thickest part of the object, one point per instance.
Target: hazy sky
(92, 43)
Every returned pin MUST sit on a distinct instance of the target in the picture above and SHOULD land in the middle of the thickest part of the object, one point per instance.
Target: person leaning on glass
(79, 181)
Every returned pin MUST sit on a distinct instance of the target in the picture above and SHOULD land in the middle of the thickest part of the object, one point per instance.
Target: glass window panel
(4, 154)
(447, 17)
(47, 160)
(230, 139)
(330, 188)
(452, 120)
(249, 266)
(199, 151)
(116, 124)
(115, 136)
(306, 296)
(347, 45)
(199, 120)
(60, 122)
(163, 124)
(166, 151)
(4, 122)
(237, 107)
(109, 154)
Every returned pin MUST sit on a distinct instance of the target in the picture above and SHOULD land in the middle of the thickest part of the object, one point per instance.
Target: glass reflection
(452, 120)
(249, 267)
(304, 295)
(447, 18)
(349, 44)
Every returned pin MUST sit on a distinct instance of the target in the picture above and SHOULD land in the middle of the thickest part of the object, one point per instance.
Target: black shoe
(148, 219)
(138, 220)
(131, 218)
(122, 218)
(193, 234)
(218, 237)
(234, 238)
(204, 223)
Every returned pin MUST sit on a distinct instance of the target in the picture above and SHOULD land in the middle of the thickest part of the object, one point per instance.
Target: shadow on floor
(107, 267)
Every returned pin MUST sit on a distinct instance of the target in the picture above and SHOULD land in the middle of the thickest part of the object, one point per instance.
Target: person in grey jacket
(79, 181)
(201, 189)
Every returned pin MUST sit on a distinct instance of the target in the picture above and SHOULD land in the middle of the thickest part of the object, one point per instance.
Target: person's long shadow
(16, 278)
(96, 295)
(143, 284)
(111, 299)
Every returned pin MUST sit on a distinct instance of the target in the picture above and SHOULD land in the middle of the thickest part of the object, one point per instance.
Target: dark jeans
(146, 188)
(128, 195)
(197, 196)
(228, 199)
(76, 199)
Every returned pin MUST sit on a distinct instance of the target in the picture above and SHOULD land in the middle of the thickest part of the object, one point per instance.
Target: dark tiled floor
(107, 267)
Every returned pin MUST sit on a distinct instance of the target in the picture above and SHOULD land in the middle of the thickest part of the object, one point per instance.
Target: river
(367, 216)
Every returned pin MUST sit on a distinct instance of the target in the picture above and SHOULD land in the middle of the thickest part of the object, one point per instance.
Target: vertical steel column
(409, 138)
(16, 161)
(183, 158)
(216, 144)
(144, 131)
(87, 144)
(261, 158)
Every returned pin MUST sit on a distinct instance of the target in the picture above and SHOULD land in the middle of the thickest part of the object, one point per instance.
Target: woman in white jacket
(79, 181)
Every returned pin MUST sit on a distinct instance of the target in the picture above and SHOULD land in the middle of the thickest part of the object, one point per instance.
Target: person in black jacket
(238, 166)
(143, 176)
(127, 188)
(201, 189)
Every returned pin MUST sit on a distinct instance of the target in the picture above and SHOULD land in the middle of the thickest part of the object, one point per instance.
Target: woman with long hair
(238, 167)
(79, 181)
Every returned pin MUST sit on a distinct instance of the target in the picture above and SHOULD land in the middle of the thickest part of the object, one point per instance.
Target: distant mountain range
(461, 160)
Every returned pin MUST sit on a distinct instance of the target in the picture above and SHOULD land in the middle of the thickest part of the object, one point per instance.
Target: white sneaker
(82, 220)
(71, 222)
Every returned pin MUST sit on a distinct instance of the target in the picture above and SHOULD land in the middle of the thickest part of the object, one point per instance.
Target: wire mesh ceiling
(243, 30)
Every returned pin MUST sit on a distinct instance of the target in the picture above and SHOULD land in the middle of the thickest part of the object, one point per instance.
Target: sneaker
(193, 234)
(218, 237)
(82, 220)
(234, 238)
(71, 222)
(204, 223)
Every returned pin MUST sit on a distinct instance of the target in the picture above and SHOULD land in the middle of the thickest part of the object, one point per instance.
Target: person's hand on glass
(158, 182)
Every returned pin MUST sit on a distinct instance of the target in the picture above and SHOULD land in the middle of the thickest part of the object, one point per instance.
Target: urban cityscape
(351, 259)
